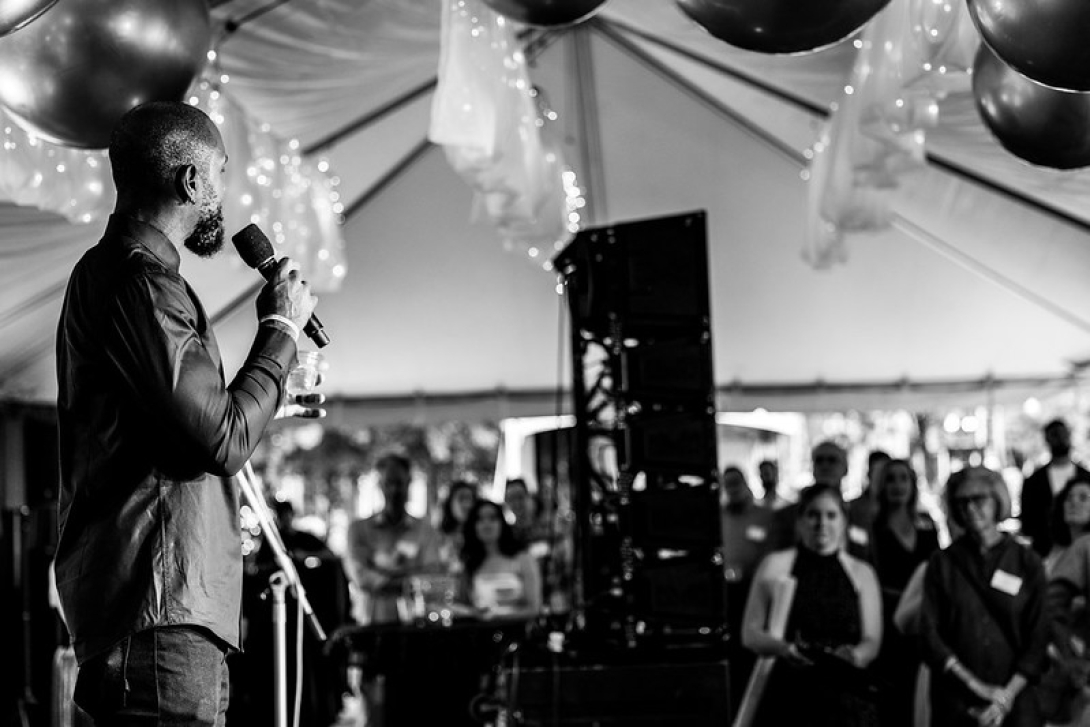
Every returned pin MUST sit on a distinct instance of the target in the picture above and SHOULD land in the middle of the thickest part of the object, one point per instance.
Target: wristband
(281, 319)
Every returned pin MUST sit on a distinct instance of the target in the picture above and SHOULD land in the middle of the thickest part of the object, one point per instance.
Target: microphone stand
(286, 577)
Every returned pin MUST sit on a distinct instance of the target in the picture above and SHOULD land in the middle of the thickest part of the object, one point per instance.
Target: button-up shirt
(148, 433)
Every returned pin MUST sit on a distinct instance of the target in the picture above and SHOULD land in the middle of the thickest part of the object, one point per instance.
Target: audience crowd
(856, 614)
(876, 612)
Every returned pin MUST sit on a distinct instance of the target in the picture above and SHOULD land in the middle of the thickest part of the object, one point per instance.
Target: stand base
(649, 695)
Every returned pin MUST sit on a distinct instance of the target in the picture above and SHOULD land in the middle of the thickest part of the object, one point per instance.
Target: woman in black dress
(834, 626)
(903, 538)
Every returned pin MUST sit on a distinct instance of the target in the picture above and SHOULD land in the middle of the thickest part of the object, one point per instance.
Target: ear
(185, 184)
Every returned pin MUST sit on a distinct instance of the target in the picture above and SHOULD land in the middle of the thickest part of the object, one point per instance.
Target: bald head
(153, 141)
(169, 161)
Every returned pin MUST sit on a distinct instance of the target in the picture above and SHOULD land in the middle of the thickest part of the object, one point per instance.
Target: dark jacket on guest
(148, 430)
(988, 610)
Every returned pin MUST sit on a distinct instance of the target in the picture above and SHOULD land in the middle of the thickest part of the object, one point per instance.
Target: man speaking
(149, 561)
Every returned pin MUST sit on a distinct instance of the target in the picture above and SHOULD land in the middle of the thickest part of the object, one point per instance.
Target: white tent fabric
(976, 292)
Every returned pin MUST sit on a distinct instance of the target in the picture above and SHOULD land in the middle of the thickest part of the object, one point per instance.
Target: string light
(280, 188)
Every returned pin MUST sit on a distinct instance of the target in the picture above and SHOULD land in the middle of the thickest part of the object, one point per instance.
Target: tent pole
(978, 268)
(792, 154)
(592, 172)
(391, 174)
(372, 116)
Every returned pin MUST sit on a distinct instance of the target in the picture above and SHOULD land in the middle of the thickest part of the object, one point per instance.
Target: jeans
(167, 677)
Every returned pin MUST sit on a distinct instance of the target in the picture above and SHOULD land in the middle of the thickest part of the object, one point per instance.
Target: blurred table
(425, 672)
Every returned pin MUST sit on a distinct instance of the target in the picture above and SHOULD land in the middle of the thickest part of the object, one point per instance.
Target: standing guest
(322, 575)
(1040, 488)
(1063, 690)
(149, 564)
(903, 538)
(769, 473)
(829, 465)
(1069, 520)
(834, 626)
(747, 527)
(863, 509)
(529, 524)
(984, 628)
(386, 549)
(460, 498)
(501, 578)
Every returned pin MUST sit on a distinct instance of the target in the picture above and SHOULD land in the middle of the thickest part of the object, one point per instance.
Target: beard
(207, 237)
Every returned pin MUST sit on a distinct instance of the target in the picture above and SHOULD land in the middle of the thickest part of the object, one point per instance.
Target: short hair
(830, 444)
(999, 492)
(734, 468)
(1055, 424)
(876, 456)
(393, 458)
(516, 482)
(537, 500)
(152, 140)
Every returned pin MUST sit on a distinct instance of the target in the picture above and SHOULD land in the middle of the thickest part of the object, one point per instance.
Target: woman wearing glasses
(983, 623)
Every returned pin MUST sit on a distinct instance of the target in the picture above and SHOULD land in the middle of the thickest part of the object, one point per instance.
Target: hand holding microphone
(286, 295)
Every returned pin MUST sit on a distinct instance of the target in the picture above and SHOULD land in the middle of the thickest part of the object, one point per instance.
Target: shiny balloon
(14, 14)
(1042, 125)
(781, 26)
(71, 74)
(1046, 41)
(546, 13)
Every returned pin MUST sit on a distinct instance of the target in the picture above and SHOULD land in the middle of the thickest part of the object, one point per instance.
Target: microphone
(257, 252)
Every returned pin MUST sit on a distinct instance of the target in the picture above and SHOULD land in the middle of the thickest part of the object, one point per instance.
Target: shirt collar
(122, 225)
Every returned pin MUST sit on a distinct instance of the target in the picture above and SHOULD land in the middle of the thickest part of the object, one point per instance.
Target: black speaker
(650, 271)
(644, 394)
(649, 695)
(682, 594)
(669, 436)
(666, 361)
(677, 517)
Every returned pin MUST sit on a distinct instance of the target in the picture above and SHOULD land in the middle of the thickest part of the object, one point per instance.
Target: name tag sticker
(539, 549)
(1009, 584)
(408, 548)
(756, 533)
(858, 535)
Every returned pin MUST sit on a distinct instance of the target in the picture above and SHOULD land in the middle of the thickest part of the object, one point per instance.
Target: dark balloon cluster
(546, 13)
(69, 70)
(1042, 125)
(781, 26)
(1031, 76)
(14, 14)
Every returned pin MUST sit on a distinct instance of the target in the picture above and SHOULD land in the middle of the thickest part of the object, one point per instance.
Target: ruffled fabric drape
(910, 56)
(269, 183)
(485, 115)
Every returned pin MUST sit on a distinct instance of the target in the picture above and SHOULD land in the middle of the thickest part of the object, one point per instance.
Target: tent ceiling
(980, 278)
